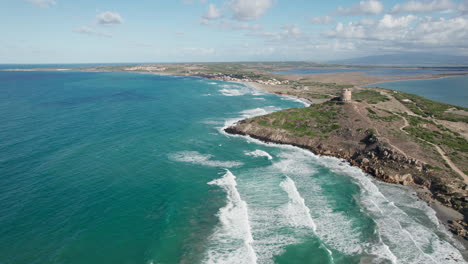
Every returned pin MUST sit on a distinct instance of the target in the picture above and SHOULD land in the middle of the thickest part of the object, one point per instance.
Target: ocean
(136, 168)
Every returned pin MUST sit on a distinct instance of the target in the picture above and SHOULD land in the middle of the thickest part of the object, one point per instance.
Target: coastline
(443, 213)
(446, 215)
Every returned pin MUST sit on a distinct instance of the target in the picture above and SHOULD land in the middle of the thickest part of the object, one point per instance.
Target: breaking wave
(197, 158)
(232, 240)
(259, 153)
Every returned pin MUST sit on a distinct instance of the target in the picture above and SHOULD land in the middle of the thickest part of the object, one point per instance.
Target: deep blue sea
(135, 168)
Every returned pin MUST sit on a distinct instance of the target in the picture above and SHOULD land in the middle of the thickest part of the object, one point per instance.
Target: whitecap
(231, 243)
(298, 213)
(259, 153)
(238, 90)
(249, 113)
(232, 92)
(197, 158)
(404, 238)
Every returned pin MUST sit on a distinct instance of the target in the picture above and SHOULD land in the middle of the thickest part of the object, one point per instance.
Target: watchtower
(346, 95)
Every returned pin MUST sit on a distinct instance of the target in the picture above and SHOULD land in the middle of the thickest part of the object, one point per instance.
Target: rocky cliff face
(373, 156)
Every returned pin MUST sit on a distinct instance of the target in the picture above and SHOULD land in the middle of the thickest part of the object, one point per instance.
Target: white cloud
(389, 21)
(406, 32)
(370, 7)
(424, 6)
(109, 18)
(322, 20)
(212, 12)
(92, 32)
(249, 9)
(42, 3)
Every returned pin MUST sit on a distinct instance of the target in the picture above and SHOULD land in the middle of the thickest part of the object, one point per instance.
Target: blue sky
(64, 31)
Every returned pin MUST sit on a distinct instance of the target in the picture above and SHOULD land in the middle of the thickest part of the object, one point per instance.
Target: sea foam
(298, 212)
(259, 153)
(197, 158)
(232, 240)
(405, 238)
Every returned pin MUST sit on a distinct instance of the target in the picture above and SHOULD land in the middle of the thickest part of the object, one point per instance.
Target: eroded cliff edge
(383, 139)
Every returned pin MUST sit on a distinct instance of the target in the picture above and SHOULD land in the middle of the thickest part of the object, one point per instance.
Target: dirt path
(441, 152)
(450, 163)
(358, 110)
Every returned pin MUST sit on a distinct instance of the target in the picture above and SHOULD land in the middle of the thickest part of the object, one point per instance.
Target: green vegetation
(416, 120)
(389, 117)
(428, 108)
(310, 121)
(369, 96)
(316, 96)
(429, 131)
(370, 131)
(439, 138)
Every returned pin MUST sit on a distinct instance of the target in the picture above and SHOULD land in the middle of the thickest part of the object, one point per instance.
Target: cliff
(370, 138)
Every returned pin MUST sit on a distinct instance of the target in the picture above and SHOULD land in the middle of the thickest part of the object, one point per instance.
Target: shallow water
(380, 71)
(451, 90)
(135, 168)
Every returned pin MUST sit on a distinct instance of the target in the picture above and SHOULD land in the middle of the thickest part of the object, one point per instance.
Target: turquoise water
(453, 90)
(380, 71)
(135, 168)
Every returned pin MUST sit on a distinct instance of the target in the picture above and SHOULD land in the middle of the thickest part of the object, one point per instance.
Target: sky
(113, 31)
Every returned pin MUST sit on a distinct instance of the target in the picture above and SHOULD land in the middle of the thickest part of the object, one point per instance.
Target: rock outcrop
(373, 156)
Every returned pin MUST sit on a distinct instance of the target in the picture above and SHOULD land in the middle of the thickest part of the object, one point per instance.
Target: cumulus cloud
(370, 7)
(42, 3)
(91, 32)
(426, 6)
(406, 32)
(212, 13)
(109, 18)
(322, 20)
(249, 9)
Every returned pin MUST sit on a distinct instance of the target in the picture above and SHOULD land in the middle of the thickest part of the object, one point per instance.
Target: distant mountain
(408, 59)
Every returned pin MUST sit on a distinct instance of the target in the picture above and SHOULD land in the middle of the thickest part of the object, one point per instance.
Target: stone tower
(346, 96)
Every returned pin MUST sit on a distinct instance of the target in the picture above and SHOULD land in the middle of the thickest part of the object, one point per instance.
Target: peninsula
(394, 136)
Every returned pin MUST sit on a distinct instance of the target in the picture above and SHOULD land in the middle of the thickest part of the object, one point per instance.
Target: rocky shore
(375, 155)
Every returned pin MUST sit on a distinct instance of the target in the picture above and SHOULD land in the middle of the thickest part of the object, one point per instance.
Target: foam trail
(259, 153)
(197, 158)
(237, 90)
(406, 238)
(232, 241)
(424, 245)
(299, 213)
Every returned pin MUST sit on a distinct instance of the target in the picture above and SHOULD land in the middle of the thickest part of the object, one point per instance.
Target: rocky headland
(379, 133)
